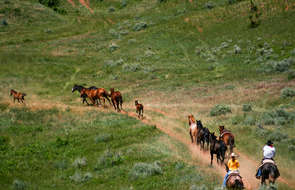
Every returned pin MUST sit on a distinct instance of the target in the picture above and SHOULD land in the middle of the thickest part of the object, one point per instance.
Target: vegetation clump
(78, 177)
(247, 107)
(143, 170)
(277, 117)
(18, 185)
(80, 162)
(220, 109)
(287, 92)
(140, 26)
(109, 159)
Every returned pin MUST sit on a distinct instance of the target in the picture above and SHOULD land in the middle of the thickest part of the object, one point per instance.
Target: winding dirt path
(167, 124)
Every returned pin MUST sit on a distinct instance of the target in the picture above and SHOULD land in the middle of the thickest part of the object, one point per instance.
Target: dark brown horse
(19, 96)
(234, 181)
(203, 135)
(217, 147)
(227, 137)
(139, 109)
(269, 171)
(117, 99)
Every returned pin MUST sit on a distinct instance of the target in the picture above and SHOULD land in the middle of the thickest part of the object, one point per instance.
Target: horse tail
(231, 143)
(24, 94)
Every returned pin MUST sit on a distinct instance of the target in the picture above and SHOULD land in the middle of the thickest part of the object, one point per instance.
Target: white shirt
(269, 152)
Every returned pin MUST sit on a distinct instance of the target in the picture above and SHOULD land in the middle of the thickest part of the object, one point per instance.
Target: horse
(203, 135)
(227, 137)
(234, 181)
(94, 94)
(217, 147)
(269, 171)
(19, 96)
(117, 99)
(80, 88)
(193, 130)
(139, 109)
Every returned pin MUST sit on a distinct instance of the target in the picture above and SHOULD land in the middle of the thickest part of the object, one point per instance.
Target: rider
(233, 165)
(269, 152)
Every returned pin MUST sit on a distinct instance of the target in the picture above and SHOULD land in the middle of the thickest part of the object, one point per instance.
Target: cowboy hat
(233, 155)
(269, 142)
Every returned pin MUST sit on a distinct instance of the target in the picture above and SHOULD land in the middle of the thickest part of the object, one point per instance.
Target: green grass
(52, 148)
(184, 47)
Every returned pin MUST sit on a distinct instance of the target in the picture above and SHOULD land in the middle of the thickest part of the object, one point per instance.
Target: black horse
(269, 171)
(203, 135)
(80, 88)
(217, 147)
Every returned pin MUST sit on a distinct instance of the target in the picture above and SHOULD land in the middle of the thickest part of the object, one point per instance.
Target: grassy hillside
(178, 56)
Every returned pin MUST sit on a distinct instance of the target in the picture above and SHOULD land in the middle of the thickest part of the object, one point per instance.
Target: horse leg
(262, 180)
(192, 138)
(218, 157)
(118, 107)
(142, 113)
(211, 153)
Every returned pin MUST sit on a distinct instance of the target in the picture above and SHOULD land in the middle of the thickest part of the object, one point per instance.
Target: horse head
(191, 119)
(112, 90)
(136, 102)
(199, 124)
(12, 92)
(221, 128)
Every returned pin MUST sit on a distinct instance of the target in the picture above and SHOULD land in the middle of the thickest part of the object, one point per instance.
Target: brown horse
(193, 130)
(95, 94)
(139, 109)
(19, 96)
(234, 181)
(227, 137)
(117, 99)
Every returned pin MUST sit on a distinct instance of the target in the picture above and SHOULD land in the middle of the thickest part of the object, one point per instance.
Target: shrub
(277, 136)
(291, 148)
(291, 75)
(131, 67)
(80, 162)
(247, 107)
(108, 159)
(4, 143)
(103, 138)
(237, 119)
(140, 26)
(4, 22)
(50, 3)
(112, 9)
(254, 15)
(267, 119)
(209, 5)
(277, 66)
(59, 142)
(179, 165)
(113, 47)
(143, 170)
(237, 49)
(287, 92)
(18, 185)
(220, 109)
(79, 178)
(62, 164)
(250, 120)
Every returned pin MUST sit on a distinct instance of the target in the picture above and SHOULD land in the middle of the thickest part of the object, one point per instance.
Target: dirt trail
(166, 124)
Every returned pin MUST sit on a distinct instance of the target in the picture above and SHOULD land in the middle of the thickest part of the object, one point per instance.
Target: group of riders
(269, 153)
(266, 170)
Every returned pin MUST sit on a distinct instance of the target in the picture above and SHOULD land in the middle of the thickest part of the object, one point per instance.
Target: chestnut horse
(19, 96)
(139, 109)
(94, 94)
(227, 137)
(117, 99)
(193, 130)
(234, 181)
(80, 88)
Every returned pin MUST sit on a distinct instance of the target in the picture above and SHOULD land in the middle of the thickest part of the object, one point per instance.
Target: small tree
(254, 15)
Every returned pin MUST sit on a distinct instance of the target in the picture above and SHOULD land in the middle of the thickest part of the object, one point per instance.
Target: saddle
(225, 131)
(233, 173)
(267, 161)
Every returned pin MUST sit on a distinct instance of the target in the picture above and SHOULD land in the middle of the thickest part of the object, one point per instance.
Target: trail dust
(166, 124)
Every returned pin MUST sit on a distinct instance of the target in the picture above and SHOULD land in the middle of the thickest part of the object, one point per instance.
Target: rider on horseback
(269, 153)
(232, 165)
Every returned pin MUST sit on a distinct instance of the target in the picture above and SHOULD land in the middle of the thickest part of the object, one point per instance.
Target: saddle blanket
(225, 132)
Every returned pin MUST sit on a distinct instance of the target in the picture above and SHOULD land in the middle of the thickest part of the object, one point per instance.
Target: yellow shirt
(233, 165)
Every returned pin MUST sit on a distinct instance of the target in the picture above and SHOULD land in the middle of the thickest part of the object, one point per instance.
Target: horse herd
(198, 133)
(201, 135)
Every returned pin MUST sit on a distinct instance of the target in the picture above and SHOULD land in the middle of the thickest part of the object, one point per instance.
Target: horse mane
(13, 91)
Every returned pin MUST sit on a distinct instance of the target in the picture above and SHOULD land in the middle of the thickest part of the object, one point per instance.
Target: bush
(250, 120)
(267, 119)
(287, 92)
(80, 162)
(112, 9)
(140, 26)
(18, 185)
(79, 178)
(247, 107)
(277, 66)
(237, 119)
(291, 75)
(50, 3)
(220, 109)
(291, 148)
(4, 143)
(131, 67)
(277, 136)
(62, 164)
(113, 47)
(143, 170)
(209, 5)
(103, 138)
(237, 49)
(108, 159)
